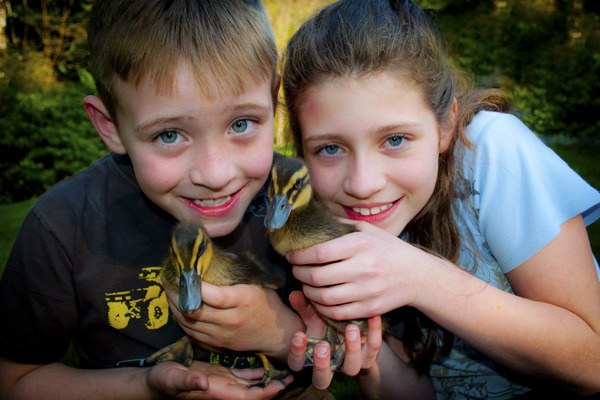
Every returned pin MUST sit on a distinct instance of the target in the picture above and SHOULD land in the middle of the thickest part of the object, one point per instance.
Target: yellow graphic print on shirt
(149, 303)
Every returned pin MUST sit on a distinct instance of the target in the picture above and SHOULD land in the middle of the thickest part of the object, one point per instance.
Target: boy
(186, 102)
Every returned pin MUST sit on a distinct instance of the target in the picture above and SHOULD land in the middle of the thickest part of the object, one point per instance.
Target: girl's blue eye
(331, 149)
(169, 137)
(240, 126)
(395, 140)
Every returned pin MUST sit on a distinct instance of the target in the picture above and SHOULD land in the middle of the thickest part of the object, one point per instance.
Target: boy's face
(372, 145)
(202, 159)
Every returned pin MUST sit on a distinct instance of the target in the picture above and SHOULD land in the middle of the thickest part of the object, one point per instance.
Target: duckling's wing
(250, 270)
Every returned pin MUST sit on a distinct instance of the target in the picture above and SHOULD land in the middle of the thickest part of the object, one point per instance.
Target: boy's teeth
(213, 202)
(371, 211)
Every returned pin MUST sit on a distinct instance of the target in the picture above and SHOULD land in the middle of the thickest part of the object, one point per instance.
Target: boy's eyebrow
(247, 107)
(158, 121)
(250, 106)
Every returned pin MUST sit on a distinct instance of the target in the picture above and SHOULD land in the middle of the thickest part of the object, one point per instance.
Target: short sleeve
(37, 307)
(525, 192)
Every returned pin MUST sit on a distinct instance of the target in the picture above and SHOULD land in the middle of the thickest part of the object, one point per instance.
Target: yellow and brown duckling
(296, 220)
(194, 258)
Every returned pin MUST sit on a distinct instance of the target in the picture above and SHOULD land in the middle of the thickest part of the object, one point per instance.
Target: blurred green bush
(46, 135)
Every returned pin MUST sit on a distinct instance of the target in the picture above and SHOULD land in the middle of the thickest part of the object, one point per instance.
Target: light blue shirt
(518, 194)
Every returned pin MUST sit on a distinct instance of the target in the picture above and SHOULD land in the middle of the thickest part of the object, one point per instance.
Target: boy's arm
(241, 318)
(168, 379)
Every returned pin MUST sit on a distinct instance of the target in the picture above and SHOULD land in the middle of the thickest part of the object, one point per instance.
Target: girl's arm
(549, 329)
(391, 377)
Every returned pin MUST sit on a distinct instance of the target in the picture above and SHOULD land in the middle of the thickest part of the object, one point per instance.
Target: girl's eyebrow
(321, 137)
(379, 131)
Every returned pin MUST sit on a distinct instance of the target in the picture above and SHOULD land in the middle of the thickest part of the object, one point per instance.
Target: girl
(494, 248)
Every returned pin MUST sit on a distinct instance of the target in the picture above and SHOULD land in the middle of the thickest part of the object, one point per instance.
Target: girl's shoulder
(497, 126)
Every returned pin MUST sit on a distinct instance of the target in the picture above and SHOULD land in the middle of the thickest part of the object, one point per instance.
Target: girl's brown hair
(354, 38)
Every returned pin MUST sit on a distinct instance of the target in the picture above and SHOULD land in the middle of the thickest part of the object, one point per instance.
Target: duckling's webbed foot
(181, 351)
(336, 344)
(271, 373)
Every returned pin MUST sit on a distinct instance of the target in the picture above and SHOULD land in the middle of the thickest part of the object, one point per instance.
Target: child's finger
(301, 305)
(353, 356)
(297, 353)
(373, 344)
(322, 373)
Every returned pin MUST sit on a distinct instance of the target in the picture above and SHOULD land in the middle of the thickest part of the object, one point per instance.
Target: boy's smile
(372, 145)
(199, 157)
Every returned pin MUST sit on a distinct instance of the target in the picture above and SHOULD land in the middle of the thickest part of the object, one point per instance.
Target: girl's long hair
(354, 38)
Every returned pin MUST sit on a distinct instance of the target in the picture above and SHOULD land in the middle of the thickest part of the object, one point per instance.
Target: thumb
(300, 304)
(194, 380)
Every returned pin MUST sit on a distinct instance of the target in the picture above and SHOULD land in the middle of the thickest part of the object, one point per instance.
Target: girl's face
(372, 146)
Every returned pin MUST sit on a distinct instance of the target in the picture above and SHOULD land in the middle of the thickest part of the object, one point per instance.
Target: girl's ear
(104, 124)
(449, 128)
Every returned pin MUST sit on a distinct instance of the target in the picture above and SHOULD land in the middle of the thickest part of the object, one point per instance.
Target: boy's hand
(207, 381)
(240, 318)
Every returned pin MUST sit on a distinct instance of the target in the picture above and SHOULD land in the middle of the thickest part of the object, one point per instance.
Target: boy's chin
(216, 228)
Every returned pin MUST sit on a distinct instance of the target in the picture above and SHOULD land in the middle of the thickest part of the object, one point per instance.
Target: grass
(11, 217)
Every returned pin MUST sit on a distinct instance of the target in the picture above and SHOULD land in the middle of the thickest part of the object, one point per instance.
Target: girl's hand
(360, 275)
(357, 357)
(207, 381)
(240, 318)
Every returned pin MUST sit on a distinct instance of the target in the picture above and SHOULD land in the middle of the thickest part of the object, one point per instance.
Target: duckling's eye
(298, 184)
(169, 137)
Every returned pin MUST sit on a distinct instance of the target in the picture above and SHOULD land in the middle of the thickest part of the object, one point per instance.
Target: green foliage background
(545, 54)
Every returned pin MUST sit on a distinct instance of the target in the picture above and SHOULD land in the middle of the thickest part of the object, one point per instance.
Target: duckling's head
(289, 190)
(190, 255)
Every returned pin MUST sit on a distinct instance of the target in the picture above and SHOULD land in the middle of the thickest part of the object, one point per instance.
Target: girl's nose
(364, 178)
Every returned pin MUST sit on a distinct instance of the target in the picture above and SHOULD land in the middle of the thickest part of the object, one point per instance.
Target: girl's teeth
(371, 211)
(213, 202)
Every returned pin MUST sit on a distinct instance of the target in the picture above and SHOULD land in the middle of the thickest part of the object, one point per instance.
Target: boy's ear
(275, 91)
(449, 128)
(106, 128)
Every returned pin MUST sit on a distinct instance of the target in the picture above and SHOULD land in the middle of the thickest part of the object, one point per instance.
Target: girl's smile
(372, 214)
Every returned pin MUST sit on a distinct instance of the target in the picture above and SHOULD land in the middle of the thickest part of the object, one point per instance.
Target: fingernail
(352, 334)
(321, 349)
(297, 340)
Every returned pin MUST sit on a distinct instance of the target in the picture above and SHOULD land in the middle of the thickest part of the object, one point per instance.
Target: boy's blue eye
(395, 140)
(168, 137)
(240, 126)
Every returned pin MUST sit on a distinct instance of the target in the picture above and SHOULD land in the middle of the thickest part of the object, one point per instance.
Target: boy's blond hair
(228, 43)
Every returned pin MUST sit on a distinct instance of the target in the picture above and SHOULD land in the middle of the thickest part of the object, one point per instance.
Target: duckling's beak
(190, 291)
(278, 213)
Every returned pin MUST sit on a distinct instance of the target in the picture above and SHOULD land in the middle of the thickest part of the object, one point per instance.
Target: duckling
(194, 258)
(296, 220)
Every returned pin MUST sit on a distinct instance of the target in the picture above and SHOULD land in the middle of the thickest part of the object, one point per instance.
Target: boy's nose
(212, 167)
